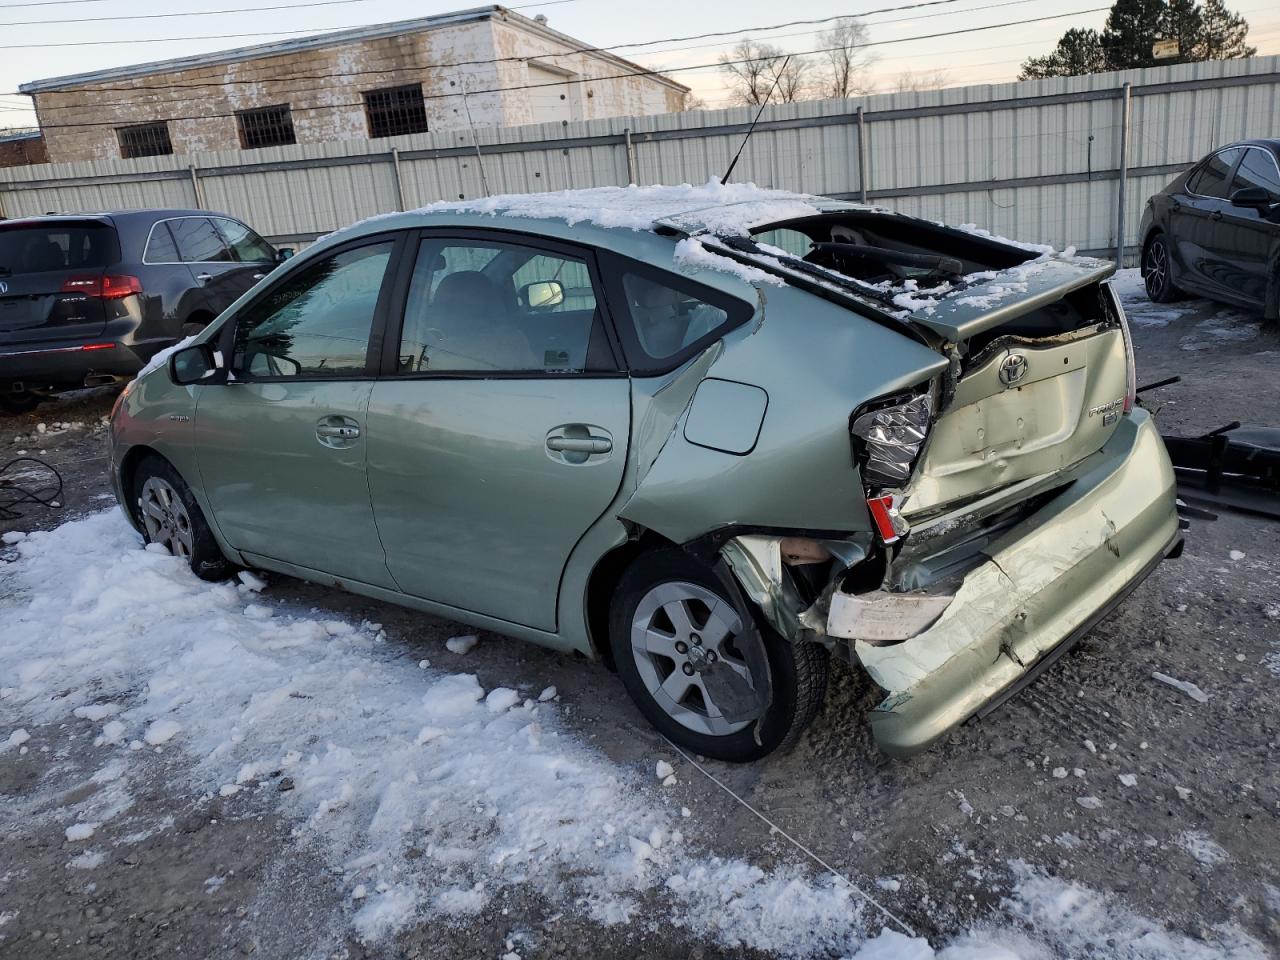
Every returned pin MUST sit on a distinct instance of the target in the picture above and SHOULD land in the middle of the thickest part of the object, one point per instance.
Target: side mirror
(283, 254)
(194, 364)
(542, 294)
(1255, 198)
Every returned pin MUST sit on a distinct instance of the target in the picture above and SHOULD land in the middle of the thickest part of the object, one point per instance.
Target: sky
(923, 41)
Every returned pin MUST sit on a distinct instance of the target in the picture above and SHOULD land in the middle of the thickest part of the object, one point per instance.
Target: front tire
(170, 516)
(1157, 271)
(671, 619)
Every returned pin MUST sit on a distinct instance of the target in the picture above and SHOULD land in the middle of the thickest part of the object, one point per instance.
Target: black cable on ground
(47, 491)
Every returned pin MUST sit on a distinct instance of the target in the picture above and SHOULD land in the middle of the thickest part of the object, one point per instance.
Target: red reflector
(97, 346)
(880, 515)
(108, 287)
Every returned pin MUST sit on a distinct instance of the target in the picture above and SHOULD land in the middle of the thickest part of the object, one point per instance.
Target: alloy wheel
(679, 632)
(1157, 272)
(165, 517)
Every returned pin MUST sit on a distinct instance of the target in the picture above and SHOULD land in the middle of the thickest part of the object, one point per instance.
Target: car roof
(1270, 143)
(639, 222)
(117, 216)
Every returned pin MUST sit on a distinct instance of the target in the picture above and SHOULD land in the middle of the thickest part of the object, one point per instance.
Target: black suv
(86, 299)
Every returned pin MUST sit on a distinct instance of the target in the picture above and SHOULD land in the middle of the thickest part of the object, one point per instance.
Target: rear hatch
(1039, 357)
(46, 267)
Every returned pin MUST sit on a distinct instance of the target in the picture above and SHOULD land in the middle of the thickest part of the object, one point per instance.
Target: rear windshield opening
(887, 251)
(43, 247)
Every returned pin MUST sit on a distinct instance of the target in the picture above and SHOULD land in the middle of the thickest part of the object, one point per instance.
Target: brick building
(368, 82)
(20, 149)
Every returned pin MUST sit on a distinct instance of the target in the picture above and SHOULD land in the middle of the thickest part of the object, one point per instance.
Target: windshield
(42, 247)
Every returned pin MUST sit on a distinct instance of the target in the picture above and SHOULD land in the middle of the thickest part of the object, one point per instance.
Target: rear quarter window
(40, 248)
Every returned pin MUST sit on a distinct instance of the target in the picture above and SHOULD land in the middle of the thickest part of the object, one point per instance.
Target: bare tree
(845, 58)
(909, 81)
(754, 68)
(693, 102)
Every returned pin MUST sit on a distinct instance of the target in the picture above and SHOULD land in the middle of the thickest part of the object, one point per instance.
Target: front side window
(1258, 169)
(1211, 179)
(317, 322)
(199, 241)
(476, 305)
(247, 246)
(667, 319)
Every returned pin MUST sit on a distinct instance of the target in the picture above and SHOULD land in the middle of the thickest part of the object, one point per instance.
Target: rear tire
(170, 516)
(1157, 271)
(671, 579)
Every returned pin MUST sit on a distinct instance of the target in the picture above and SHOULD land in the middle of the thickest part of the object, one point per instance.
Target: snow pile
(727, 209)
(427, 794)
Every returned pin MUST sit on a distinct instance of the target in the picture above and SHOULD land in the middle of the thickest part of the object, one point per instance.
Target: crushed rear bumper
(1047, 582)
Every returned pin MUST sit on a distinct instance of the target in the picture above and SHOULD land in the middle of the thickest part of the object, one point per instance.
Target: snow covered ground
(197, 755)
(372, 756)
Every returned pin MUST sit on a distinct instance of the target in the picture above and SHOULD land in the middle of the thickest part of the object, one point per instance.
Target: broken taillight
(890, 438)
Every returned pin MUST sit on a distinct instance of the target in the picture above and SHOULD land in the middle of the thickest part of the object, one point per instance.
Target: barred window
(144, 140)
(265, 126)
(395, 110)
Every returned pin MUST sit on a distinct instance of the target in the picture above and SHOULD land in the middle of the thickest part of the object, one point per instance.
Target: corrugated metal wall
(1037, 161)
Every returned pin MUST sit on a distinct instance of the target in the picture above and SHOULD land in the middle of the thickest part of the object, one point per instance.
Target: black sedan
(87, 299)
(1215, 231)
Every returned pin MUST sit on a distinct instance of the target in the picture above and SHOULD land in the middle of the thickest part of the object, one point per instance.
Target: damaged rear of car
(1011, 493)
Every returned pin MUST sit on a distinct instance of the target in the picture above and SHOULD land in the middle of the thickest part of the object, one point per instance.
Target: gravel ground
(1186, 832)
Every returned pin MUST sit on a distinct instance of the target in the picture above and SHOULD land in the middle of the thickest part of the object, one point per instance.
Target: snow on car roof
(733, 208)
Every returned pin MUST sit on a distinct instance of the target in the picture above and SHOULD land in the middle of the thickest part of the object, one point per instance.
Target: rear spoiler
(1009, 294)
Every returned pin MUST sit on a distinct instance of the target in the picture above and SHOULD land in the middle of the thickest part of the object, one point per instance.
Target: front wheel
(171, 518)
(1157, 271)
(673, 623)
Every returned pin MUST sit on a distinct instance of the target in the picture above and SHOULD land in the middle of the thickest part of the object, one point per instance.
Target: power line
(216, 13)
(619, 76)
(46, 3)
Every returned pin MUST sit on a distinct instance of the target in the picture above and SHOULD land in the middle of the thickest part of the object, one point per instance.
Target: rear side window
(39, 248)
(198, 241)
(671, 319)
(1211, 179)
(161, 247)
(1258, 169)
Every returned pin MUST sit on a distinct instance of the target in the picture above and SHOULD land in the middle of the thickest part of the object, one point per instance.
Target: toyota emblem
(4, 287)
(1012, 369)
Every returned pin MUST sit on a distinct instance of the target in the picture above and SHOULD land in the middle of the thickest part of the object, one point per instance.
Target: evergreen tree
(1133, 27)
(1204, 32)
(1223, 34)
(1184, 22)
(1078, 52)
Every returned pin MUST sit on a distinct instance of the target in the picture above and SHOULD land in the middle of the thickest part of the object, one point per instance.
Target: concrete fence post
(1126, 109)
(862, 156)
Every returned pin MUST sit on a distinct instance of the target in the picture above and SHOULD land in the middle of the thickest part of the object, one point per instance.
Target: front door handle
(204, 277)
(579, 444)
(336, 431)
(1216, 215)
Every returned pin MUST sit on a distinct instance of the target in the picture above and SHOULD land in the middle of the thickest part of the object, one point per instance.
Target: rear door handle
(204, 277)
(258, 276)
(1216, 215)
(579, 444)
(336, 431)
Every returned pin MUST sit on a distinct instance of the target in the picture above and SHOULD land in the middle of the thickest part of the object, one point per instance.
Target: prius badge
(1012, 369)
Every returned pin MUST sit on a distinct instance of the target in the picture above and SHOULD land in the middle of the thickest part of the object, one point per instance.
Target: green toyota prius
(711, 436)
